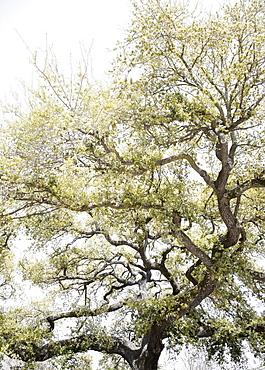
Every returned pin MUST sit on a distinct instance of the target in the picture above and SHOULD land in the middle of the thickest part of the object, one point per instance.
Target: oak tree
(143, 202)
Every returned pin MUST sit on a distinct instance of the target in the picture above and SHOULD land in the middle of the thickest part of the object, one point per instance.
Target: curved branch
(189, 272)
(192, 163)
(193, 249)
(93, 341)
(166, 273)
(162, 268)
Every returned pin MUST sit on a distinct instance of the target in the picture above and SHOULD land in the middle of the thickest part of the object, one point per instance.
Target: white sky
(65, 23)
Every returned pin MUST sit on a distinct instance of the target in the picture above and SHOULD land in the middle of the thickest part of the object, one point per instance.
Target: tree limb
(84, 312)
(82, 343)
(257, 182)
(193, 249)
(256, 275)
(192, 163)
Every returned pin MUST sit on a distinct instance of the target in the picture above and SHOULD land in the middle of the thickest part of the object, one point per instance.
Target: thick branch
(199, 293)
(82, 343)
(192, 163)
(84, 312)
(193, 249)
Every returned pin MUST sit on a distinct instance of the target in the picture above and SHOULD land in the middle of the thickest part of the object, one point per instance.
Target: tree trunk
(151, 349)
(146, 361)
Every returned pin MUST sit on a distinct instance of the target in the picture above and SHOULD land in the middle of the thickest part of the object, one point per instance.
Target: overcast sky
(64, 23)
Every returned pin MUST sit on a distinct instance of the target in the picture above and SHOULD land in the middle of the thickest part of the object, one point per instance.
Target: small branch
(118, 243)
(234, 146)
(166, 273)
(238, 199)
(205, 331)
(190, 270)
(259, 276)
(114, 205)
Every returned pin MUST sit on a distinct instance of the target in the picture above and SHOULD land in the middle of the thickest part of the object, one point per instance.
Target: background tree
(192, 357)
(144, 203)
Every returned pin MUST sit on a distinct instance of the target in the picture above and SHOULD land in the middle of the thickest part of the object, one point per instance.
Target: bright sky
(65, 23)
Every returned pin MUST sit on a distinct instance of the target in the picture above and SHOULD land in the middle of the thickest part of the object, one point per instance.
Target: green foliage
(227, 337)
(108, 362)
(142, 202)
(22, 330)
(70, 362)
(152, 311)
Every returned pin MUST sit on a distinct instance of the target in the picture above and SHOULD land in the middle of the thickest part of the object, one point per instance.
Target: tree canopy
(143, 202)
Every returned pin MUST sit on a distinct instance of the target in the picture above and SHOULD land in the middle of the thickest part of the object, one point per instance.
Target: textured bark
(152, 347)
